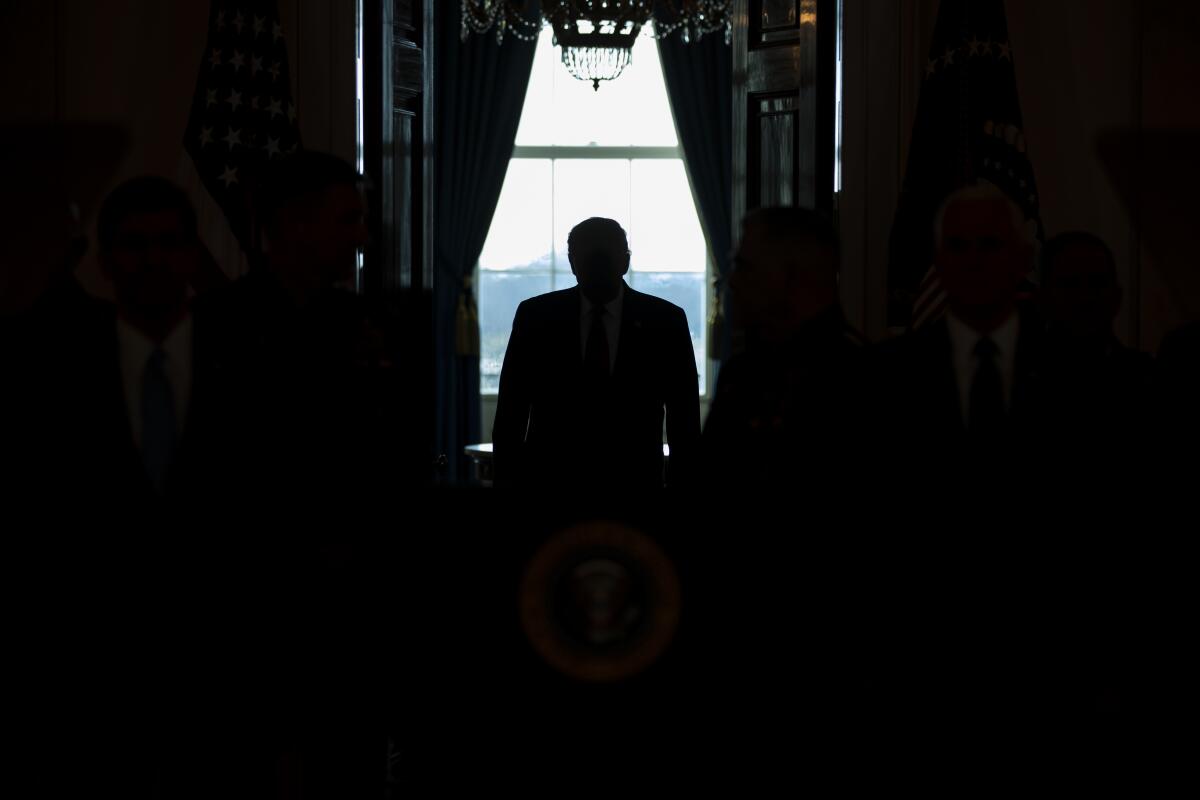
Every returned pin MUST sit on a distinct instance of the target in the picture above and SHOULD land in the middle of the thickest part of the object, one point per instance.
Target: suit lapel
(571, 341)
(946, 401)
(631, 332)
(1025, 369)
(116, 415)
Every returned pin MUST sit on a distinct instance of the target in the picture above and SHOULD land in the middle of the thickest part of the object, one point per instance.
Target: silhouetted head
(785, 270)
(983, 254)
(149, 251)
(598, 250)
(310, 211)
(1080, 295)
(57, 174)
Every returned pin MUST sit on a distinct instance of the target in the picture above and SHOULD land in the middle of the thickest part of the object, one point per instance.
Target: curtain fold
(479, 87)
(699, 78)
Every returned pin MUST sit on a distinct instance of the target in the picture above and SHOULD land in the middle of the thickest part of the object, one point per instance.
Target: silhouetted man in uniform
(784, 407)
(588, 375)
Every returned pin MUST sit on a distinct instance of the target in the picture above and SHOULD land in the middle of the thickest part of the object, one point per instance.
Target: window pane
(586, 188)
(521, 234)
(666, 234)
(537, 115)
(500, 293)
(686, 290)
(563, 110)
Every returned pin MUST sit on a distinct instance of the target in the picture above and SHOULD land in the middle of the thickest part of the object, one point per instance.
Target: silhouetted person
(784, 407)
(319, 425)
(55, 173)
(962, 386)
(310, 371)
(123, 411)
(1097, 393)
(121, 429)
(588, 375)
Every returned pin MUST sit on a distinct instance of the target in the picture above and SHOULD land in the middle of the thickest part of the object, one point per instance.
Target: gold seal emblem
(600, 601)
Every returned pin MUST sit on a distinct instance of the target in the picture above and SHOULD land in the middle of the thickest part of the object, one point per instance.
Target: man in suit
(120, 416)
(322, 403)
(588, 375)
(120, 425)
(784, 405)
(323, 419)
(964, 387)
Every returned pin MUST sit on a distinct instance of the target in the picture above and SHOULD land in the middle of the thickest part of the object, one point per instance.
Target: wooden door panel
(783, 103)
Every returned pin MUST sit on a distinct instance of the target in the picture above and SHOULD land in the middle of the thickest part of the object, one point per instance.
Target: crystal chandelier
(597, 36)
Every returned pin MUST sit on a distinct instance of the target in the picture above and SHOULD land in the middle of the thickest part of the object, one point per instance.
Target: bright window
(583, 153)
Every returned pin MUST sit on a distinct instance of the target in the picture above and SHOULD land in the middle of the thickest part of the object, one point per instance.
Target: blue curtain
(699, 77)
(479, 91)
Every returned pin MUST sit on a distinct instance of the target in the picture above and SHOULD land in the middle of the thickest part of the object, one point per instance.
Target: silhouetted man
(122, 428)
(784, 406)
(588, 375)
(962, 386)
(120, 414)
(54, 174)
(320, 425)
(321, 404)
(1097, 392)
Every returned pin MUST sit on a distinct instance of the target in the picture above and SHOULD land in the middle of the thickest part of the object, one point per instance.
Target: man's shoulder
(915, 342)
(914, 352)
(653, 308)
(547, 304)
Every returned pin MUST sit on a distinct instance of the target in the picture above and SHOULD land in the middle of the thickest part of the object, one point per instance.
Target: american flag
(968, 129)
(242, 113)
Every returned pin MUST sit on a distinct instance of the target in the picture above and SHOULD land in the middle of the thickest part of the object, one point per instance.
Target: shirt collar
(612, 307)
(136, 346)
(964, 338)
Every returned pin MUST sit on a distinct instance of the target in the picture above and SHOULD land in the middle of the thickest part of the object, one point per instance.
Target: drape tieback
(466, 338)
(716, 321)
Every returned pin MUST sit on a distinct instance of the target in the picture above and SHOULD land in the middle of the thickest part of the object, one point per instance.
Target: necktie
(595, 357)
(986, 405)
(158, 420)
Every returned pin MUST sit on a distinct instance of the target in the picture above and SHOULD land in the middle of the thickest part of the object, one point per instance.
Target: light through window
(581, 153)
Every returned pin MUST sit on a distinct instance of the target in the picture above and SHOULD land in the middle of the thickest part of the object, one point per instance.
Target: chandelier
(597, 36)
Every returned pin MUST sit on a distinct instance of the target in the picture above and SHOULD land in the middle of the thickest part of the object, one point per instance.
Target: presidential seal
(600, 602)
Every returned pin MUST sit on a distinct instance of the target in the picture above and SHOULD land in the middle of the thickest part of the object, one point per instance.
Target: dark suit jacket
(919, 409)
(318, 400)
(84, 443)
(787, 411)
(550, 428)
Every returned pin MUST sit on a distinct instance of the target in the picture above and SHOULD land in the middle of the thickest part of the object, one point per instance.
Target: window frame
(628, 153)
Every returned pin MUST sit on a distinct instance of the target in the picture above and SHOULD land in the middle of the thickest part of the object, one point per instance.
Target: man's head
(310, 211)
(598, 250)
(785, 270)
(982, 252)
(1080, 296)
(52, 184)
(149, 249)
